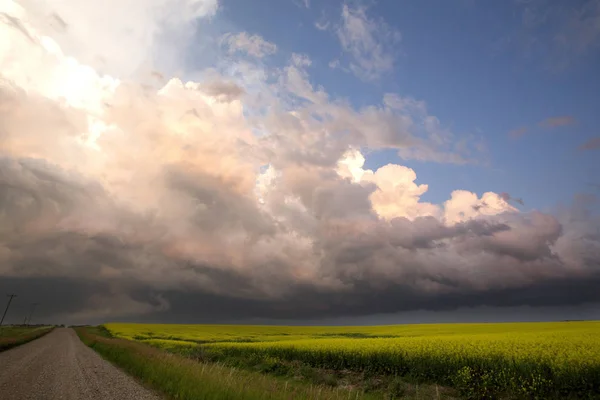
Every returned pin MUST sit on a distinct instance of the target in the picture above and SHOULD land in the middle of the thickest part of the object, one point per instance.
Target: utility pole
(33, 306)
(11, 296)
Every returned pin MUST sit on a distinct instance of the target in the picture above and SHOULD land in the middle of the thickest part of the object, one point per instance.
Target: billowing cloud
(253, 45)
(396, 194)
(90, 30)
(245, 194)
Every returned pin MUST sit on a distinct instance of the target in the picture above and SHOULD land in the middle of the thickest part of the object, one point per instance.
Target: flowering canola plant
(529, 358)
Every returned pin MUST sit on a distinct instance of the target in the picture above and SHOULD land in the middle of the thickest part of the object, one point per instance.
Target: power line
(11, 296)
(33, 306)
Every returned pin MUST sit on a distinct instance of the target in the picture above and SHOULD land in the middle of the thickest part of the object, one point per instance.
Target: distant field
(268, 333)
(11, 336)
(481, 360)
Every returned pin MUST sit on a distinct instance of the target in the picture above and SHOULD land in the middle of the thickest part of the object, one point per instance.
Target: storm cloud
(245, 195)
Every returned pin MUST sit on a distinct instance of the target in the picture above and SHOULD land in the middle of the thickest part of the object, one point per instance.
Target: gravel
(60, 366)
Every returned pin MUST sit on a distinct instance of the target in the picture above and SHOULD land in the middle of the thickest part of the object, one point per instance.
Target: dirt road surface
(60, 366)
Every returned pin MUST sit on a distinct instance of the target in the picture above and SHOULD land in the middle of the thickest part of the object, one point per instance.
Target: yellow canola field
(264, 333)
(562, 350)
(530, 358)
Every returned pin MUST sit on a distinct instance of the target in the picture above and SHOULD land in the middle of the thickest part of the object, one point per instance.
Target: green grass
(521, 360)
(11, 336)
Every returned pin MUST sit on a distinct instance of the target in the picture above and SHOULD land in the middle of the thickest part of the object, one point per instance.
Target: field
(517, 360)
(11, 336)
(183, 378)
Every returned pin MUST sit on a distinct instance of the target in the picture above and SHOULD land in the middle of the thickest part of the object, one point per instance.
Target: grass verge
(12, 336)
(182, 378)
(380, 386)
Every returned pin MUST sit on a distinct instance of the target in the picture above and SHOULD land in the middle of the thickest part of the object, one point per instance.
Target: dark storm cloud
(341, 200)
(368, 266)
(77, 300)
(221, 208)
(308, 304)
(60, 229)
(63, 299)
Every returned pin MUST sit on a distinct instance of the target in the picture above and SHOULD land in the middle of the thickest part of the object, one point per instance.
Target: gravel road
(60, 366)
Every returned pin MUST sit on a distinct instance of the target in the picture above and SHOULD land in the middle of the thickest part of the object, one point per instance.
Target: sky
(300, 161)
